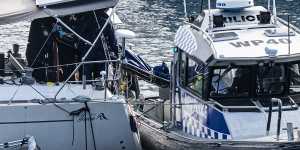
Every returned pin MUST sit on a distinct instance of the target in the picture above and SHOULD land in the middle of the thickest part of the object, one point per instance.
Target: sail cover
(18, 10)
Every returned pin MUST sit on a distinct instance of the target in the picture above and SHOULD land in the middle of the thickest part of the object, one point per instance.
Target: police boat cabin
(237, 68)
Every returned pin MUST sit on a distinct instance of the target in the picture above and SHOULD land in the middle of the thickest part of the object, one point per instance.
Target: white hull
(53, 128)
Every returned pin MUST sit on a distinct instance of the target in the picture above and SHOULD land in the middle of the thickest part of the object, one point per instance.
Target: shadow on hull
(155, 138)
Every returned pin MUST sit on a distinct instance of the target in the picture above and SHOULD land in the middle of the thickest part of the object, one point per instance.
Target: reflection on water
(154, 21)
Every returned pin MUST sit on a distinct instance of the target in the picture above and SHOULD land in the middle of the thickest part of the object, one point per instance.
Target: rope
(91, 124)
(85, 133)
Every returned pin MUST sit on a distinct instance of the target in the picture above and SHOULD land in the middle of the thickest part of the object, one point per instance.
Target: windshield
(231, 82)
(268, 79)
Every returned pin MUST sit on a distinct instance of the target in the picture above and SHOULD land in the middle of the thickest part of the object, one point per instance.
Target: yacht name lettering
(259, 42)
(94, 116)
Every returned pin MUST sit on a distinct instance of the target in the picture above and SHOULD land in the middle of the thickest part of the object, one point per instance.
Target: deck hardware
(290, 131)
(84, 81)
(279, 102)
(103, 81)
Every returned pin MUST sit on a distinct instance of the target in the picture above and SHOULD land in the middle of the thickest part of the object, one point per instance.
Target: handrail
(279, 102)
(77, 68)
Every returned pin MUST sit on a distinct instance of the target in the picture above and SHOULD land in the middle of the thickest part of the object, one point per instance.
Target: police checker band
(65, 92)
(234, 83)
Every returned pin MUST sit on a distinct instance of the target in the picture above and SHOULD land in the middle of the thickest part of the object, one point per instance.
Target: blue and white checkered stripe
(201, 131)
(185, 39)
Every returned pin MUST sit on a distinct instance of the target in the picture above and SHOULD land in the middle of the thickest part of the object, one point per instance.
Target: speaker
(265, 17)
(218, 21)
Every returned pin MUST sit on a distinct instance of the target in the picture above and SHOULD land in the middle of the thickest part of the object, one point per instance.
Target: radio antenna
(201, 6)
(209, 18)
(274, 12)
(185, 11)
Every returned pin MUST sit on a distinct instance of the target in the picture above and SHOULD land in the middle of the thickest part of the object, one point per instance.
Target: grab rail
(279, 102)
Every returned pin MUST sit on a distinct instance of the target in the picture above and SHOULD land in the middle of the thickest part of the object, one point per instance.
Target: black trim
(210, 59)
(27, 122)
(185, 83)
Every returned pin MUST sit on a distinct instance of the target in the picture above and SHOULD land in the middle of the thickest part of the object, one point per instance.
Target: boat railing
(104, 75)
(275, 100)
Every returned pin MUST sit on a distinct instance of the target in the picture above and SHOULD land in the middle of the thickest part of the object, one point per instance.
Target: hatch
(225, 36)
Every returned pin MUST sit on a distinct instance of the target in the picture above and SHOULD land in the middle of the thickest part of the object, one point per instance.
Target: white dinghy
(235, 83)
(59, 94)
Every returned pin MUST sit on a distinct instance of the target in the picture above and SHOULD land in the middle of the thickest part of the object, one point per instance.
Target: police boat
(64, 92)
(234, 83)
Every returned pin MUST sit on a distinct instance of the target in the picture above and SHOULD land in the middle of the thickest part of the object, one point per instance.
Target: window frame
(183, 74)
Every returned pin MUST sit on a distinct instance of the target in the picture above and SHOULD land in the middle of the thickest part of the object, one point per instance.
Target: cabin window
(271, 79)
(231, 82)
(191, 74)
(294, 78)
(194, 76)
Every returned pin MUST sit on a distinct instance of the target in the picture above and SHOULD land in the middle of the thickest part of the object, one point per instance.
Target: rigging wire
(44, 44)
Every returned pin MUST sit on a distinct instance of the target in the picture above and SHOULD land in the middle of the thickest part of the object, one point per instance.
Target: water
(154, 21)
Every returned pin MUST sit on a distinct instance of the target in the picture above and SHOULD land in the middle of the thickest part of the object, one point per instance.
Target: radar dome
(234, 4)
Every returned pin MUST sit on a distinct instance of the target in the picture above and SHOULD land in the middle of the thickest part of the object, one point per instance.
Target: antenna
(274, 12)
(210, 18)
(201, 6)
(185, 12)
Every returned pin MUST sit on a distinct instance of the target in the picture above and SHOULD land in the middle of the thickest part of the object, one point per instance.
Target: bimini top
(18, 10)
(249, 34)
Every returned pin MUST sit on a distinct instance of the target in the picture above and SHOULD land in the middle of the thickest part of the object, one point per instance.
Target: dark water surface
(154, 21)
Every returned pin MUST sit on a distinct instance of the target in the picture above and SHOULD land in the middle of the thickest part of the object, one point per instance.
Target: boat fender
(133, 125)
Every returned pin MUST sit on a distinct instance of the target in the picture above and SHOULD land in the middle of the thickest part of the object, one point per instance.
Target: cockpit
(241, 86)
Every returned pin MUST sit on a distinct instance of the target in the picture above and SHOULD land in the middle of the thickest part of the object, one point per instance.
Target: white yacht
(234, 83)
(61, 92)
